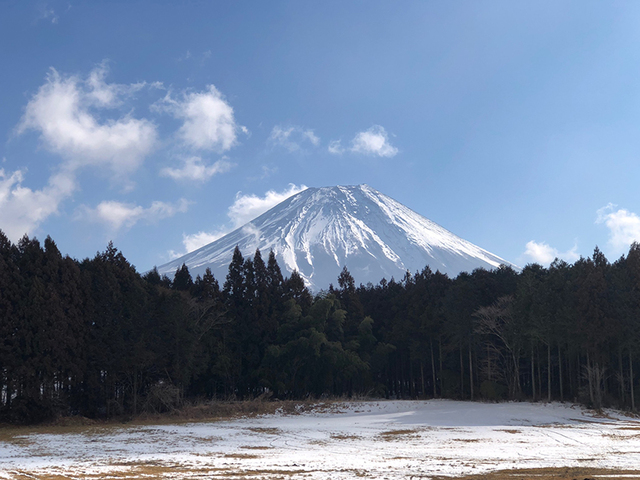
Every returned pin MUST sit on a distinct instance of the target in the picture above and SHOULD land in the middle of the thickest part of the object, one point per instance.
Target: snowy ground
(386, 440)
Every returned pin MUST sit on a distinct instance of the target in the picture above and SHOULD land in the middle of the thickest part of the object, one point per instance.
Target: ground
(371, 439)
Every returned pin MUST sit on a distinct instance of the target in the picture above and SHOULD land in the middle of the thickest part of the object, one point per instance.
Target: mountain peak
(322, 229)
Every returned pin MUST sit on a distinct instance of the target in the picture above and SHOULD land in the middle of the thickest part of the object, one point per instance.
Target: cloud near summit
(243, 210)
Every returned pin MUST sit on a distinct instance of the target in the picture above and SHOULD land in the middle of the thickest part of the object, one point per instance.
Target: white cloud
(248, 207)
(48, 13)
(22, 209)
(61, 112)
(208, 124)
(544, 254)
(194, 169)
(335, 147)
(374, 141)
(117, 215)
(244, 209)
(200, 239)
(109, 95)
(623, 225)
(292, 137)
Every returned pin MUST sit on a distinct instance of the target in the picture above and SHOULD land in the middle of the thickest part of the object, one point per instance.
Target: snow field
(382, 440)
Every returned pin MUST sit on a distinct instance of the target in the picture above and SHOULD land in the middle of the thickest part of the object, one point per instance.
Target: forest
(98, 339)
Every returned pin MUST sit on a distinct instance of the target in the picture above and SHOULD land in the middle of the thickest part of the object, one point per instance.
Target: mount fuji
(320, 230)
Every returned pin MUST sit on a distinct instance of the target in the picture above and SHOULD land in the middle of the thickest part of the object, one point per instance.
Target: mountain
(320, 230)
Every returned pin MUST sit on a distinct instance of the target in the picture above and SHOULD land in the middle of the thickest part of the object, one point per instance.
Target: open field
(385, 439)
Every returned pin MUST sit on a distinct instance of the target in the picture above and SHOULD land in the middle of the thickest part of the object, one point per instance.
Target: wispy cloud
(373, 141)
(62, 112)
(623, 225)
(244, 209)
(117, 215)
(292, 137)
(22, 209)
(544, 254)
(47, 13)
(247, 207)
(208, 120)
(195, 241)
(67, 112)
(335, 147)
(80, 119)
(195, 169)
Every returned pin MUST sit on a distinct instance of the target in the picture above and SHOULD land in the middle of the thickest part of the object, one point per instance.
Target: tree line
(96, 338)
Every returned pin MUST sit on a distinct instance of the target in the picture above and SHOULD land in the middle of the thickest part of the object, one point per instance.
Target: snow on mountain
(320, 230)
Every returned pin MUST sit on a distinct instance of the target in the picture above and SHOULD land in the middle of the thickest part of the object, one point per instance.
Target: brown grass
(392, 435)
(266, 430)
(241, 456)
(203, 412)
(550, 474)
(336, 436)
(154, 470)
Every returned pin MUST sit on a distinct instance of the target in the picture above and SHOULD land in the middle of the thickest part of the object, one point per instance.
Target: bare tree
(504, 345)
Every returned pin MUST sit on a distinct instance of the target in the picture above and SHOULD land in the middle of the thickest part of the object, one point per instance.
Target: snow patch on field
(385, 439)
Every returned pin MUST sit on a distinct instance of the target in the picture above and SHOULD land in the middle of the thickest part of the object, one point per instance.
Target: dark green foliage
(96, 338)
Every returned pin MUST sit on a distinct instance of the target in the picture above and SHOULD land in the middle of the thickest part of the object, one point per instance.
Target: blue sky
(161, 125)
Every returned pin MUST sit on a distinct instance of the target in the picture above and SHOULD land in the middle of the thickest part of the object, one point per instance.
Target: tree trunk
(489, 363)
(591, 393)
(433, 368)
(633, 403)
(440, 355)
(470, 370)
(533, 375)
(549, 372)
(424, 393)
(461, 373)
(135, 392)
(622, 382)
(539, 373)
(560, 374)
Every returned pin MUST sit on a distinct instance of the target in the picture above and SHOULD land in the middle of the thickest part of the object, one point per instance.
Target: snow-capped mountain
(320, 230)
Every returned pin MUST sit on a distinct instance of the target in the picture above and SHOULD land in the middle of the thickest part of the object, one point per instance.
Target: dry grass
(242, 456)
(139, 471)
(336, 436)
(395, 435)
(551, 474)
(158, 471)
(256, 447)
(203, 412)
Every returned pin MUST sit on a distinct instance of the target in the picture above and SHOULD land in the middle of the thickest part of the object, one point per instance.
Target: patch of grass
(241, 456)
(550, 474)
(336, 436)
(391, 435)
(266, 430)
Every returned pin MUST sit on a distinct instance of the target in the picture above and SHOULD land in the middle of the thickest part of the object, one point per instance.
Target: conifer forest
(98, 339)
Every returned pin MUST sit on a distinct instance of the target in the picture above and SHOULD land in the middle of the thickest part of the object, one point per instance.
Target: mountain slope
(320, 230)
